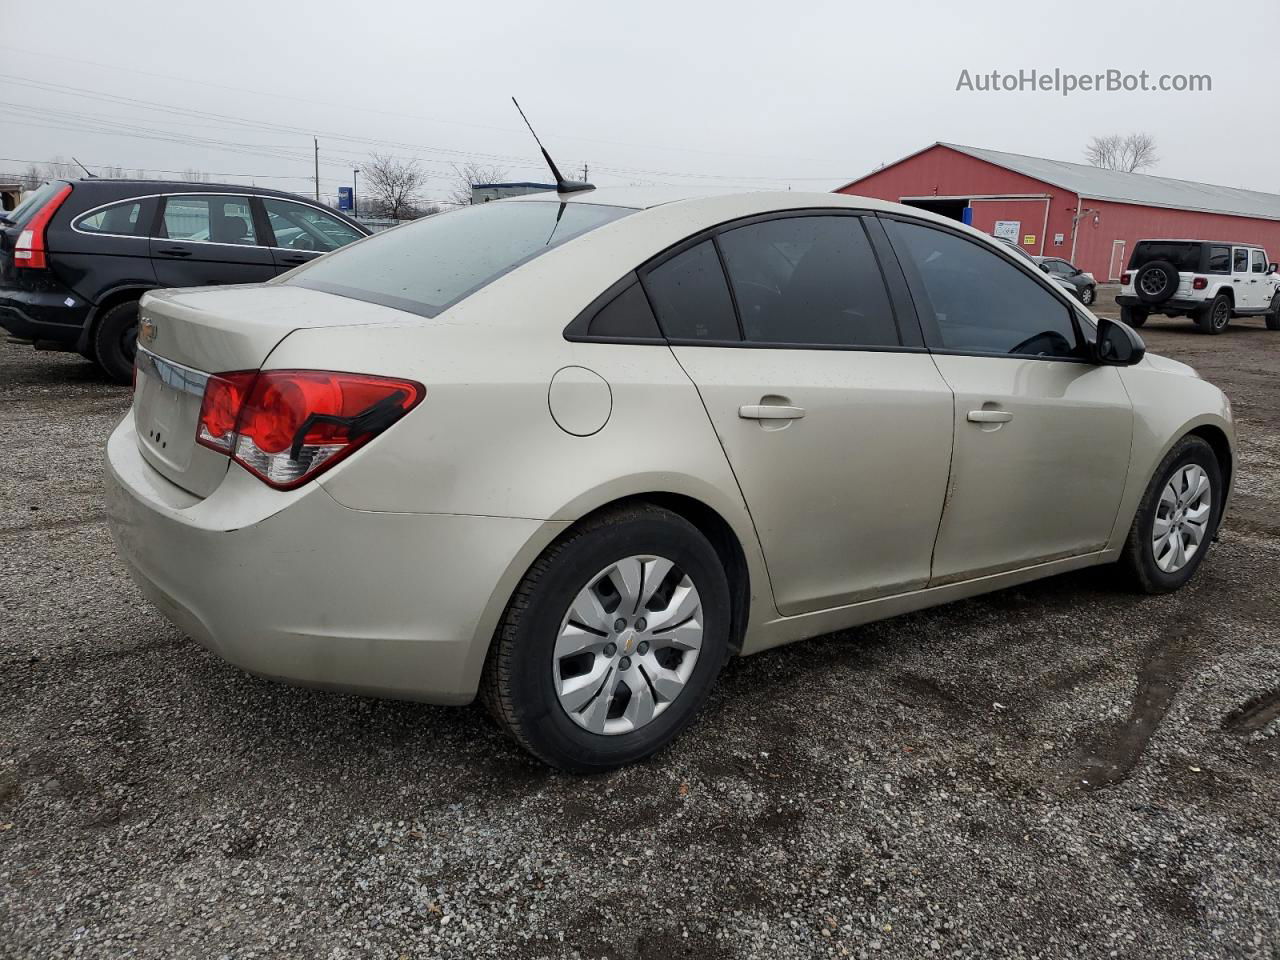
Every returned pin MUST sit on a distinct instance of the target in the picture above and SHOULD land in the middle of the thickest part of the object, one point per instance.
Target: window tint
(626, 317)
(299, 227)
(209, 219)
(1183, 255)
(691, 298)
(1219, 260)
(429, 265)
(1239, 260)
(808, 280)
(981, 302)
(1259, 262)
(121, 218)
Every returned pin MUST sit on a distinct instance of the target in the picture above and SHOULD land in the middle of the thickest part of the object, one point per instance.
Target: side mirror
(1273, 267)
(1044, 267)
(1117, 345)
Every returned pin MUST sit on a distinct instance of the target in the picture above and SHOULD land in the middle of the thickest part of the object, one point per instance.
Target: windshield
(428, 266)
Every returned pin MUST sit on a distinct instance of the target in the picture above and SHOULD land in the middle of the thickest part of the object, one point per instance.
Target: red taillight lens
(1125, 277)
(29, 251)
(286, 426)
(1199, 283)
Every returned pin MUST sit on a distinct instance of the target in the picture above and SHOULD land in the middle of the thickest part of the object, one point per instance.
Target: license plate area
(166, 409)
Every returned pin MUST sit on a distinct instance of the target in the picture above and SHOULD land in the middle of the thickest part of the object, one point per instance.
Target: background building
(1088, 215)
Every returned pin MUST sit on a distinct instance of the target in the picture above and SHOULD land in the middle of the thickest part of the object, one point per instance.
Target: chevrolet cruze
(570, 452)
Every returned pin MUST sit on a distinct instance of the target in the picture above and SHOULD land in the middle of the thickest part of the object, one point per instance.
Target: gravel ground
(1058, 770)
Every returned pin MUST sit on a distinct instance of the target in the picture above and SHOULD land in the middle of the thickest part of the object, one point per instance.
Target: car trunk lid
(185, 336)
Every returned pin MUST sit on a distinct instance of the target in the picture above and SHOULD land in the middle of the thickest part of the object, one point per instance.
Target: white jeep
(1208, 281)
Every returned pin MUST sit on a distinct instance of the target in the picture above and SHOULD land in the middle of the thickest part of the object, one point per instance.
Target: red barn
(1084, 214)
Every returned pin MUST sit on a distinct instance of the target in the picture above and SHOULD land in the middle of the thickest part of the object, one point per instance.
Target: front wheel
(1215, 317)
(1133, 316)
(1177, 519)
(1088, 295)
(1273, 316)
(611, 642)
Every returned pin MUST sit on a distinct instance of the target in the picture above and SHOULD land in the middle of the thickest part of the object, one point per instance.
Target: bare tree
(192, 175)
(391, 185)
(467, 175)
(1129, 153)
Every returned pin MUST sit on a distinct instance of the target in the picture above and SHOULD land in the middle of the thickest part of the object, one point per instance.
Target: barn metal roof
(1140, 188)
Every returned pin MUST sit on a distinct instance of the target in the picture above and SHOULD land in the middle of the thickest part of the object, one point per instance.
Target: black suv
(76, 255)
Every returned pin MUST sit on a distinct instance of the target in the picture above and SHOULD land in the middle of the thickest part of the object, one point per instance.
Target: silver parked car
(572, 452)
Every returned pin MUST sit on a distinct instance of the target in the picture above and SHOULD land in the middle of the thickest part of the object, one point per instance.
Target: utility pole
(316, 141)
(584, 171)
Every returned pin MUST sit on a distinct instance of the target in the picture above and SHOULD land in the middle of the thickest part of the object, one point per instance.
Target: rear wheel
(611, 642)
(1215, 317)
(1177, 519)
(1273, 316)
(115, 341)
(1133, 316)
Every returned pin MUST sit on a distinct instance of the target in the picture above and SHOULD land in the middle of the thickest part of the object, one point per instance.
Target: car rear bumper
(43, 315)
(1128, 300)
(315, 593)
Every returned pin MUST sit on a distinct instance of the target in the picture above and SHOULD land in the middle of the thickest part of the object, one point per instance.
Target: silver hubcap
(628, 645)
(1153, 283)
(1182, 518)
(1220, 314)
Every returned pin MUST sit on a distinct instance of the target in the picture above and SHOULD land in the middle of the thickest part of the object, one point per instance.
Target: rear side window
(1184, 256)
(1219, 260)
(215, 218)
(433, 263)
(980, 302)
(121, 219)
(690, 296)
(626, 317)
(1239, 260)
(809, 280)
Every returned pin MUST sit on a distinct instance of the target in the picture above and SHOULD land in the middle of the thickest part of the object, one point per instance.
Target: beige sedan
(570, 453)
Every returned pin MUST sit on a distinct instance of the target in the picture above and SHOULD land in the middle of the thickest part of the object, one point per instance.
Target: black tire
(1273, 318)
(1213, 319)
(1088, 295)
(518, 685)
(115, 341)
(1133, 316)
(1155, 282)
(1138, 558)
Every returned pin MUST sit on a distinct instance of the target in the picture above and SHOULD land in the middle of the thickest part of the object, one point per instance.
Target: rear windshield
(428, 266)
(1184, 256)
(32, 202)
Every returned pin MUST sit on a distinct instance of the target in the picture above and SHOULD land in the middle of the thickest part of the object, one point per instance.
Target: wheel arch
(112, 298)
(1217, 439)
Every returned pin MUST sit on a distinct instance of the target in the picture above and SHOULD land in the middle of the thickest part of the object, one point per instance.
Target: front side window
(979, 301)
(433, 263)
(1219, 259)
(1058, 268)
(809, 280)
(299, 227)
(122, 219)
(1259, 262)
(216, 218)
(1239, 260)
(690, 296)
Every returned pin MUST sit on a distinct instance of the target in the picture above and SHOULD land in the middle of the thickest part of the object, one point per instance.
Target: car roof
(187, 186)
(1222, 243)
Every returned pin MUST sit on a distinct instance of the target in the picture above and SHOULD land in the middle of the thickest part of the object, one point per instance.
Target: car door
(1259, 288)
(836, 423)
(1042, 436)
(302, 232)
(1240, 278)
(202, 239)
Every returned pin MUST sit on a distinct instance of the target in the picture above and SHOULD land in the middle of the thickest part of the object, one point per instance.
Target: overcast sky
(752, 95)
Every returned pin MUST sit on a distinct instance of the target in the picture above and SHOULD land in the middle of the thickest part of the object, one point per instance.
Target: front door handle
(769, 411)
(990, 416)
(174, 251)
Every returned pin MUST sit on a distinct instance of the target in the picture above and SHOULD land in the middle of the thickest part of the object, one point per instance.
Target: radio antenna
(562, 185)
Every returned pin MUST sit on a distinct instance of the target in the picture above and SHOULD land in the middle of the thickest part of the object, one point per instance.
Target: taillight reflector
(1199, 283)
(287, 426)
(29, 251)
(1125, 277)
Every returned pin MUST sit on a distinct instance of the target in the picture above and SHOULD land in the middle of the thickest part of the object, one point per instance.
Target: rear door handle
(769, 411)
(990, 416)
(174, 251)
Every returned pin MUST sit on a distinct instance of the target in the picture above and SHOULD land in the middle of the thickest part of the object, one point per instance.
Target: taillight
(287, 426)
(1124, 277)
(29, 250)
(1199, 283)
